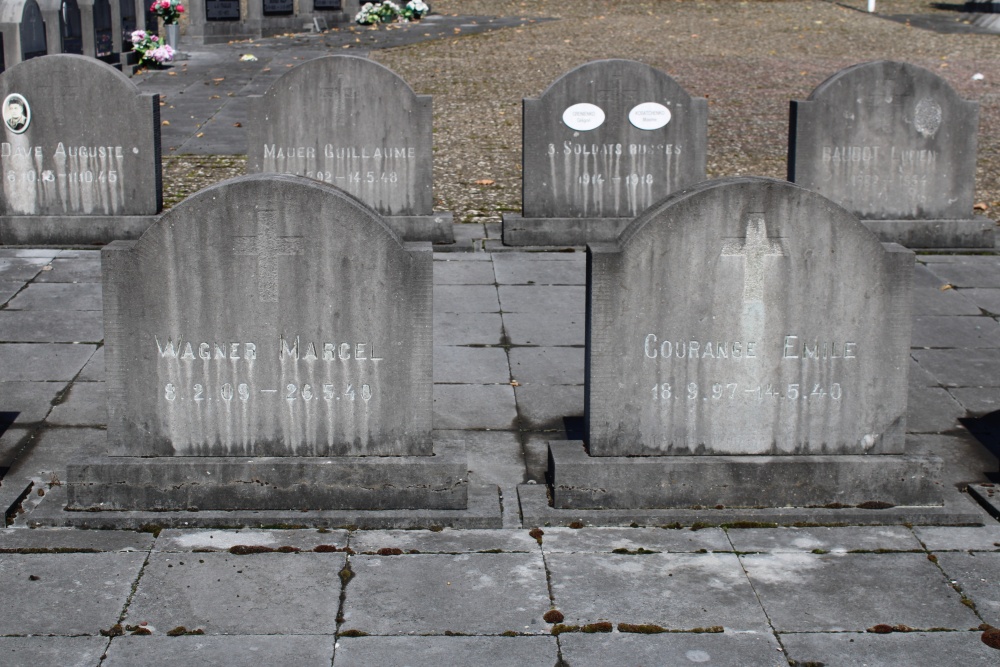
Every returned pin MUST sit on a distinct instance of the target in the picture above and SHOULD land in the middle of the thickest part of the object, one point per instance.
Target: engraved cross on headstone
(754, 247)
(616, 99)
(266, 246)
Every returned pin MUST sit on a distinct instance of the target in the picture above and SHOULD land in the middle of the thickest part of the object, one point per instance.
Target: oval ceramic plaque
(16, 113)
(583, 117)
(649, 116)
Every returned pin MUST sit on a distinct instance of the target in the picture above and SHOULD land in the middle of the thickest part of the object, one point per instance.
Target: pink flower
(180, 9)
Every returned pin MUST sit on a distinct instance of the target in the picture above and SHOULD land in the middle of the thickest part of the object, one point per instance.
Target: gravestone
(269, 346)
(353, 123)
(85, 177)
(23, 31)
(895, 145)
(602, 143)
(71, 27)
(747, 345)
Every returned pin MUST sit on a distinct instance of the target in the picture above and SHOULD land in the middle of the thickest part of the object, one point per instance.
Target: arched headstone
(104, 32)
(71, 27)
(602, 143)
(33, 43)
(894, 144)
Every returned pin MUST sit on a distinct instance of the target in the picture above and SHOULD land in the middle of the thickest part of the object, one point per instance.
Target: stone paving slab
(458, 272)
(178, 540)
(716, 649)
(543, 407)
(162, 651)
(544, 269)
(471, 406)
(84, 405)
(987, 496)
(968, 271)
(224, 594)
(986, 298)
(672, 540)
(529, 329)
(72, 270)
(554, 300)
(961, 368)
(946, 331)
(547, 365)
(70, 539)
(62, 651)
(93, 371)
(444, 541)
(495, 457)
(21, 268)
(674, 591)
(806, 592)
(470, 365)
(468, 329)
(937, 301)
(932, 410)
(466, 299)
(941, 538)
(432, 594)
(32, 400)
(69, 594)
(889, 650)
(58, 296)
(978, 576)
(9, 288)
(438, 651)
(833, 540)
(48, 326)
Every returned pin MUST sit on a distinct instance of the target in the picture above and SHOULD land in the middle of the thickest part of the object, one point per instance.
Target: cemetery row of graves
(269, 340)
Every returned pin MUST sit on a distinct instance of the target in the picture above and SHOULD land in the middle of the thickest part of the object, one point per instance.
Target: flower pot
(173, 34)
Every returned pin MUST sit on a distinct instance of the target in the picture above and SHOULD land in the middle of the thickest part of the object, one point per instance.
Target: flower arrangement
(415, 10)
(152, 52)
(388, 12)
(168, 10)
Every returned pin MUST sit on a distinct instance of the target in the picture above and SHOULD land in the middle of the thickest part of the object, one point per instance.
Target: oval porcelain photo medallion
(16, 113)
(649, 116)
(583, 117)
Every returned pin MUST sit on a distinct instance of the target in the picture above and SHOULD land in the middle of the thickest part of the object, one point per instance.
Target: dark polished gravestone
(353, 123)
(23, 30)
(79, 152)
(895, 145)
(602, 143)
(747, 346)
(268, 346)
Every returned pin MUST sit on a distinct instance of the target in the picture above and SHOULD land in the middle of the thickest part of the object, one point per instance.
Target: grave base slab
(580, 481)
(518, 231)
(438, 482)
(436, 228)
(482, 511)
(975, 232)
(36, 230)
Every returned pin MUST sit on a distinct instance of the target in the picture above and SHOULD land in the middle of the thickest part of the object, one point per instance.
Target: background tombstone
(603, 142)
(84, 177)
(355, 124)
(270, 316)
(23, 31)
(71, 28)
(894, 144)
(747, 345)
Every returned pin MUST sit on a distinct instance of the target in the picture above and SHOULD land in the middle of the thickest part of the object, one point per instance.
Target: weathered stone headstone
(90, 176)
(353, 123)
(268, 346)
(747, 345)
(895, 145)
(604, 142)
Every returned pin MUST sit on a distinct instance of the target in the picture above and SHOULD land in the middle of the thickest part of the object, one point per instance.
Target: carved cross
(753, 248)
(266, 246)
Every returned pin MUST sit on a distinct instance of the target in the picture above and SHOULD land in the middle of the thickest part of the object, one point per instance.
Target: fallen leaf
(237, 124)
(981, 206)
(946, 287)
(200, 135)
(166, 122)
(214, 97)
(266, 69)
(290, 65)
(221, 78)
(485, 181)
(515, 383)
(47, 267)
(171, 73)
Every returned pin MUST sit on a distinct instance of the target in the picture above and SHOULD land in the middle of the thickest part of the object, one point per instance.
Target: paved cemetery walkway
(508, 377)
